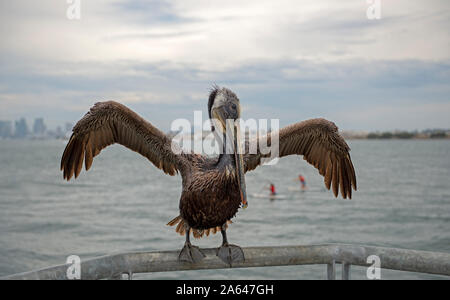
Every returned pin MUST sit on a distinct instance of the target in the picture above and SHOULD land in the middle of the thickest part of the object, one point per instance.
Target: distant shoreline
(398, 135)
(346, 136)
(398, 139)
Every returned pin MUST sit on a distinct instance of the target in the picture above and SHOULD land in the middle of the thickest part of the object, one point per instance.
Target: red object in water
(302, 181)
(272, 189)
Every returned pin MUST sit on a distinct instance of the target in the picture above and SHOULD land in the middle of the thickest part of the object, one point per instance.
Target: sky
(291, 60)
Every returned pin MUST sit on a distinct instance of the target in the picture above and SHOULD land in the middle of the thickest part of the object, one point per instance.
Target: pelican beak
(238, 155)
(229, 121)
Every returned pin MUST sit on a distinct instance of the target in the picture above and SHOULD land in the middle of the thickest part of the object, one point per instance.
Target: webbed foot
(191, 254)
(230, 254)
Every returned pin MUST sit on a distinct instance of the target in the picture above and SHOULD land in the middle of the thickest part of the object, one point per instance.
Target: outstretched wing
(111, 122)
(320, 144)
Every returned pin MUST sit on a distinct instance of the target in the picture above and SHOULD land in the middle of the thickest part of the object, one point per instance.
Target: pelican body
(212, 194)
(213, 188)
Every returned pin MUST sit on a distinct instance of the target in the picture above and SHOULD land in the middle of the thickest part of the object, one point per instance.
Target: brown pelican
(213, 188)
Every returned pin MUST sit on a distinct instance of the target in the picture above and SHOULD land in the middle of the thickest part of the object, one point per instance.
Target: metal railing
(113, 266)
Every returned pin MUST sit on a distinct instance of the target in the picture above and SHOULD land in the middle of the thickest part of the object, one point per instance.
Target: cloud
(150, 12)
(289, 59)
(224, 35)
(288, 89)
(401, 115)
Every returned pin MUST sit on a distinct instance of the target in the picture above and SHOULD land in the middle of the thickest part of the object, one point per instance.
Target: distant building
(39, 127)
(59, 133)
(69, 127)
(5, 129)
(21, 128)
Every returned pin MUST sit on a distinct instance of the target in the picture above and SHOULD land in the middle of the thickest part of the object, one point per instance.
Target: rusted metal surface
(113, 266)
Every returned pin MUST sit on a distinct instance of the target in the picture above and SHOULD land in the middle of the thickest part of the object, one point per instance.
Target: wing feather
(328, 172)
(79, 160)
(335, 178)
(343, 180)
(320, 144)
(110, 122)
(88, 156)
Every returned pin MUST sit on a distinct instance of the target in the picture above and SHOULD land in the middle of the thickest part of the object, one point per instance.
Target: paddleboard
(268, 196)
(298, 189)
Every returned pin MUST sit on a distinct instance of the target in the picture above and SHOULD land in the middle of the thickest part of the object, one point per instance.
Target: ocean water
(123, 203)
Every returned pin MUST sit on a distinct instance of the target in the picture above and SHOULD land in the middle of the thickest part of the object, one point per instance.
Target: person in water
(302, 182)
(272, 190)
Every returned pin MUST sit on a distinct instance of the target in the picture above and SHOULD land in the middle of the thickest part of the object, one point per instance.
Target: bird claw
(191, 254)
(231, 254)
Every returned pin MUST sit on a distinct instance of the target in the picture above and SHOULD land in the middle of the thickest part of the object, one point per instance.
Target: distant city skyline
(20, 129)
(292, 60)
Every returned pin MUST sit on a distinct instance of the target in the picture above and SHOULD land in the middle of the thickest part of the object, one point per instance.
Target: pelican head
(224, 107)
